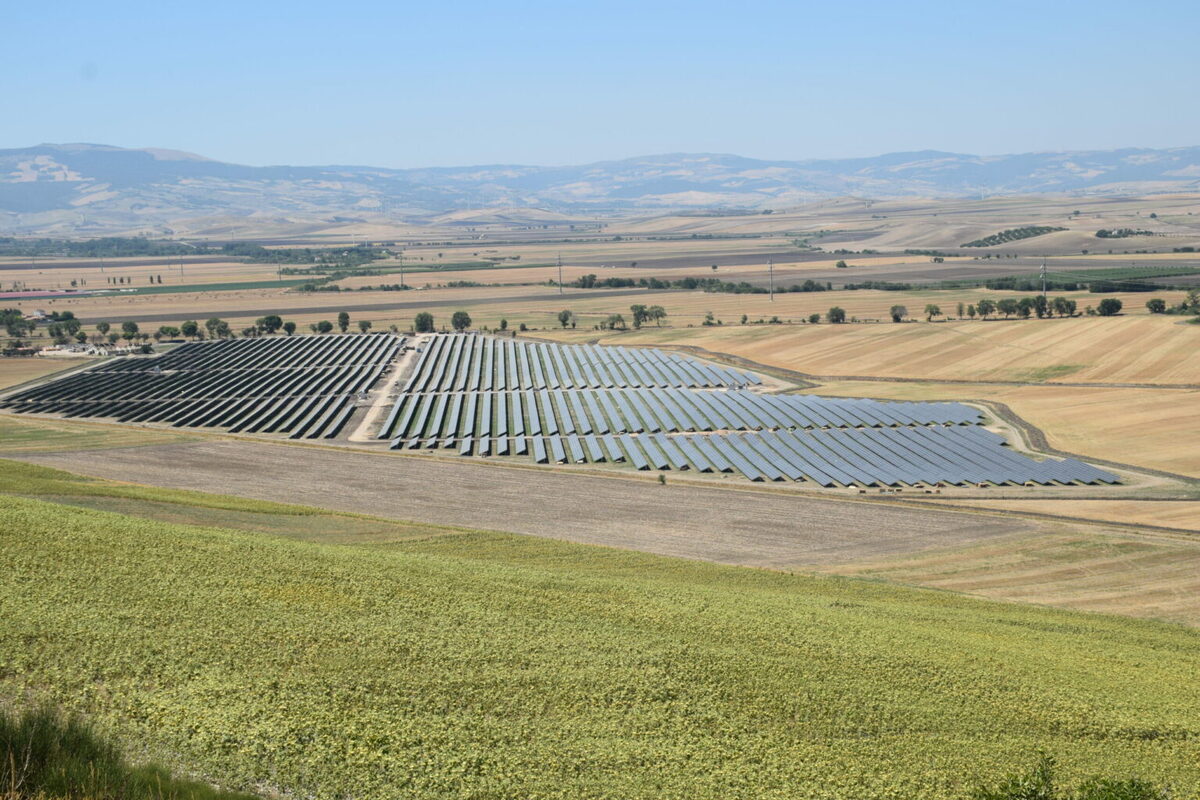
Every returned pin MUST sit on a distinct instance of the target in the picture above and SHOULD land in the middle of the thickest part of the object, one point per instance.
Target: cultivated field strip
(303, 386)
(551, 403)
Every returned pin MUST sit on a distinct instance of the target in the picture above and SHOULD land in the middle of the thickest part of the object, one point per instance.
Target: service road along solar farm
(503, 398)
(486, 396)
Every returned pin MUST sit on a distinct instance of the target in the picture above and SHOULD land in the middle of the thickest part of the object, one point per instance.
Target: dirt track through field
(711, 524)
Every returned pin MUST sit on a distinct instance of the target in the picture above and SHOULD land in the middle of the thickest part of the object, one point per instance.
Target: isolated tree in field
(639, 314)
(423, 322)
(745, 318)
(986, 308)
(932, 310)
(460, 321)
(504, 324)
(324, 326)
(1109, 306)
(836, 315)
(1156, 305)
(814, 318)
(657, 313)
(565, 317)
(289, 327)
(364, 325)
(1042, 306)
(129, 330)
(190, 328)
(841, 265)
(269, 323)
(343, 321)
(1007, 307)
(103, 327)
(898, 313)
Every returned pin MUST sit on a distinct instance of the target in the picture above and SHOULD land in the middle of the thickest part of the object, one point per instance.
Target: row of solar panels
(304, 416)
(844, 457)
(463, 362)
(91, 388)
(263, 353)
(636, 410)
(99, 385)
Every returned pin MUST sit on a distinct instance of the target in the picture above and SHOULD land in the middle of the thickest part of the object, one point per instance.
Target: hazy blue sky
(404, 84)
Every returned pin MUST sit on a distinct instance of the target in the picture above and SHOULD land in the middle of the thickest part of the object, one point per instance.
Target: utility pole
(771, 273)
(560, 289)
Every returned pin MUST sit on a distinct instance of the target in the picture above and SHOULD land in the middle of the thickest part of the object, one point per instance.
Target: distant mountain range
(85, 189)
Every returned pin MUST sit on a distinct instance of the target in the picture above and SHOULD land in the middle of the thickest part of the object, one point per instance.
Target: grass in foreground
(45, 755)
(485, 665)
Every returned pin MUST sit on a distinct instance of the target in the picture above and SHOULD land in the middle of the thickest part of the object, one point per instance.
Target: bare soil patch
(713, 524)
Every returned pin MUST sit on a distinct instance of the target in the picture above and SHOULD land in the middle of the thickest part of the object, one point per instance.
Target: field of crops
(486, 665)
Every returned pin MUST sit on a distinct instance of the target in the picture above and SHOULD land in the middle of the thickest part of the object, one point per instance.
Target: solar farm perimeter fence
(587, 403)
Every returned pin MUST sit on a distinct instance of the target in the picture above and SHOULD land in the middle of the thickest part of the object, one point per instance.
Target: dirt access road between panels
(713, 524)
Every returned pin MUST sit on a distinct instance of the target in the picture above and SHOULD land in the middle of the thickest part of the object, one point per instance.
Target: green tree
(503, 324)
(289, 327)
(1156, 305)
(364, 325)
(1109, 306)
(814, 318)
(1061, 306)
(932, 310)
(460, 321)
(103, 327)
(343, 321)
(639, 313)
(129, 330)
(189, 328)
(423, 322)
(269, 323)
(1025, 307)
(971, 311)
(841, 265)
(898, 313)
(324, 326)
(565, 317)
(960, 310)
(836, 315)
(986, 308)
(657, 313)
(1007, 307)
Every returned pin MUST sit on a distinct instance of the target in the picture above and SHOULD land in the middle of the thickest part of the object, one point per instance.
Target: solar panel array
(588, 404)
(300, 385)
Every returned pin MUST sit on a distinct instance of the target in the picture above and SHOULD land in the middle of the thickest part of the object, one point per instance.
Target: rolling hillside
(85, 188)
(411, 661)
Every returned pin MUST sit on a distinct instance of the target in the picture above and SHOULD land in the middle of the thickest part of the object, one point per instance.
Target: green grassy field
(445, 663)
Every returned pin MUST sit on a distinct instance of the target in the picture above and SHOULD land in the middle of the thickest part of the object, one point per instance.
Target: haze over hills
(86, 189)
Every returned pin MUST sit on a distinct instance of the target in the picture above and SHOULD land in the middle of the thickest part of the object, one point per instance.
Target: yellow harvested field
(1141, 575)
(1154, 428)
(1182, 514)
(1136, 348)
(52, 275)
(19, 370)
